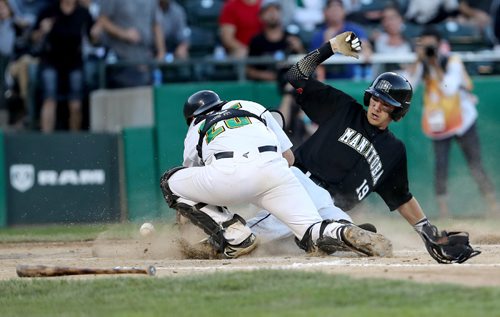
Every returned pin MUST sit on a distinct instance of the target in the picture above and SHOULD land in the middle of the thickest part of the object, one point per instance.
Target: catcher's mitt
(447, 247)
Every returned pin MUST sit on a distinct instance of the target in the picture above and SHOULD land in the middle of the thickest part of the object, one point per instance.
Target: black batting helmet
(394, 90)
(200, 102)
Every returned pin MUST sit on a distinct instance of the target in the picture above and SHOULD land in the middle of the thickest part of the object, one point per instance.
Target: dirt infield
(410, 260)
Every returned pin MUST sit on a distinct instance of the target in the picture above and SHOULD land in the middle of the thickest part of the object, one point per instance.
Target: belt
(230, 154)
(316, 179)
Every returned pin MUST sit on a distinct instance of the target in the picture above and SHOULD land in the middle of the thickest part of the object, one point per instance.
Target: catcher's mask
(394, 90)
(200, 102)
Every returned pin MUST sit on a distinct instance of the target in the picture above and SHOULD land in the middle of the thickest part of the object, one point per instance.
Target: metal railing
(196, 65)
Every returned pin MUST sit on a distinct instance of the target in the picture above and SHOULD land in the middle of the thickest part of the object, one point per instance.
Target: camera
(430, 51)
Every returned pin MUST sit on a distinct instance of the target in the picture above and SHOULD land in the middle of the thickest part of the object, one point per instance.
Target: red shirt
(244, 17)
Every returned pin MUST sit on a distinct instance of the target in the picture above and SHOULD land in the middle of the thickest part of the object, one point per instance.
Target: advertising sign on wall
(62, 178)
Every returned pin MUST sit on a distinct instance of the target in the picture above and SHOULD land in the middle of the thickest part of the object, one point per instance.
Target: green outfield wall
(141, 177)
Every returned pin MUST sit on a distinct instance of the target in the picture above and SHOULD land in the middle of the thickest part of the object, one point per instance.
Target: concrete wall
(116, 109)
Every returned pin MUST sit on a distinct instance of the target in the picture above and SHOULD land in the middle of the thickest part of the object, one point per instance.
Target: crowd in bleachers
(50, 50)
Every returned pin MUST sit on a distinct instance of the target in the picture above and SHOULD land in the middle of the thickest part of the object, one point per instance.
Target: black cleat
(368, 227)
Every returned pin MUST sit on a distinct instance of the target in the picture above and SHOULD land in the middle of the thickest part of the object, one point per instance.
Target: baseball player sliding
(353, 153)
(234, 154)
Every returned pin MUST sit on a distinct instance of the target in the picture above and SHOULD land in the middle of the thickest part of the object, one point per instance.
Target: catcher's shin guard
(234, 227)
(216, 231)
(203, 221)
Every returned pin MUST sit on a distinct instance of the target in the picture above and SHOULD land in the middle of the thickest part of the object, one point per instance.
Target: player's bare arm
(412, 211)
(290, 158)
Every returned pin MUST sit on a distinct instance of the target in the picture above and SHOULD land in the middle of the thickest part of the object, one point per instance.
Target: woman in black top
(59, 32)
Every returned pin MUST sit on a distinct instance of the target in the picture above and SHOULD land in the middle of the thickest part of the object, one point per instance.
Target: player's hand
(347, 44)
(446, 247)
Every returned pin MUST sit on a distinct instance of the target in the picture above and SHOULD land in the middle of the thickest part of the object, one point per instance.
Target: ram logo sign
(22, 177)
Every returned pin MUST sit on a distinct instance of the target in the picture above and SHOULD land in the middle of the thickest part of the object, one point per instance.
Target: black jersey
(347, 153)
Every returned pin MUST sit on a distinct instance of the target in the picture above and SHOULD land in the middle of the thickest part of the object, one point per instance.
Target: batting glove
(347, 44)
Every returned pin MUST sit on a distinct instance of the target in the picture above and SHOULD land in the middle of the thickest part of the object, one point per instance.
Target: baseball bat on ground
(45, 271)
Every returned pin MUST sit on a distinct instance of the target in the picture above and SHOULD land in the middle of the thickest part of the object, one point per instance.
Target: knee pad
(168, 195)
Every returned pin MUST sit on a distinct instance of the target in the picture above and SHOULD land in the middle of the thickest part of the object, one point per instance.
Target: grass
(257, 293)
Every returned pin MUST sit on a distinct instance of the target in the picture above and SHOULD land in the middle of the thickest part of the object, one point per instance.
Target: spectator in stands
(7, 31)
(495, 15)
(60, 30)
(274, 41)
(26, 11)
(24, 56)
(475, 13)
(391, 39)
(133, 32)
(431, 11)
(449, 114)
(175, 29)
(287, 11)
(370, 13)
(7, 38)
(239, 22)
(308, 14)
(335, 23)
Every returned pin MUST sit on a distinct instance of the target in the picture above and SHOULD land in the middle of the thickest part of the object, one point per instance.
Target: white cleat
(245, 247)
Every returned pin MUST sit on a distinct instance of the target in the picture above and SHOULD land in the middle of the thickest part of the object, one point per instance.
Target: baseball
(146, 229)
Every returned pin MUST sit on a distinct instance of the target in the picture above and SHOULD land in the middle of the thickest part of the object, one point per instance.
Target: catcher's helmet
(394, 90)
(201, 102)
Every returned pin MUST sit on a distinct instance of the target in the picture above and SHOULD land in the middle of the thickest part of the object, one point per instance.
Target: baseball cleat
(366, 242)
(368, 227)
(245, 247)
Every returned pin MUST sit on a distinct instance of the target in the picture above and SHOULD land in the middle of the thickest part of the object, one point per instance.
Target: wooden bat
(44, 271)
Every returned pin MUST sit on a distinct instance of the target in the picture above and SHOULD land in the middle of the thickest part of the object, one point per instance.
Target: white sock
(332, 230)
